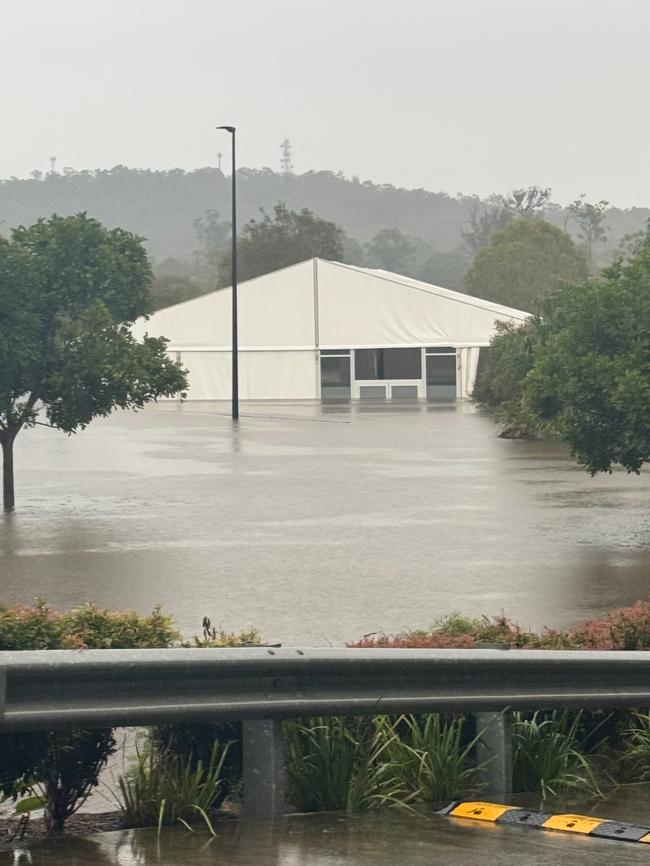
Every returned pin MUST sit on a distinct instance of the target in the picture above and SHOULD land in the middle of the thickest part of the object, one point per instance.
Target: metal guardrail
(63, 688)
(58, 689)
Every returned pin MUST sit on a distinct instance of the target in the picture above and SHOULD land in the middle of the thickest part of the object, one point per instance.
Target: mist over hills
(162, 206)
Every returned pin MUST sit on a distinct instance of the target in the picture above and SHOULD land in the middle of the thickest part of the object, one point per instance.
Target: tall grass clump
(163, 788)
(432, 757)
(636, 748)
(338, 763)
(548, 756)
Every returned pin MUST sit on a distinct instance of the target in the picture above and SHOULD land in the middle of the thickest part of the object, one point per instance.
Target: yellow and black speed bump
(587, 825)
(615, 830)
(524, 818)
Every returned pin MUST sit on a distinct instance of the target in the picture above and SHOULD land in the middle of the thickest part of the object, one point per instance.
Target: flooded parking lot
(319, 524)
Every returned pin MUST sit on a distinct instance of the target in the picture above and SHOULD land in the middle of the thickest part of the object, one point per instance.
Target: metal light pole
(235, 364)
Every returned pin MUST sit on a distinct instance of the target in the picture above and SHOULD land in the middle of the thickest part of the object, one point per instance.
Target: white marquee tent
(320, 329)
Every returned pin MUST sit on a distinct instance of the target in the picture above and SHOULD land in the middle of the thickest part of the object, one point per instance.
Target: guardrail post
(263, 768)
(495, 749)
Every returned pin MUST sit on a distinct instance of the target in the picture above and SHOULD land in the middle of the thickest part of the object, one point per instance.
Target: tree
(526, 203)
(499, 388)
(484, 221)
(487, 218)
(213, 236)
(591, 371)
(69, 289)
(168, 289)
(286, 239)
(391, 249)
(523, 262)
(445, 268)
(590, 218)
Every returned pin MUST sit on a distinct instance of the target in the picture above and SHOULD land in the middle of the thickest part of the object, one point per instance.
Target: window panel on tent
(387, 364)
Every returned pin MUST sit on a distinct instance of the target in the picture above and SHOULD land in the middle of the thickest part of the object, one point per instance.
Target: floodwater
(384, 838)
(320, 524)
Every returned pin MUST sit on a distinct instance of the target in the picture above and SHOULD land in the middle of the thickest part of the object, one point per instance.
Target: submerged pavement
(319, 524)
(390, 837)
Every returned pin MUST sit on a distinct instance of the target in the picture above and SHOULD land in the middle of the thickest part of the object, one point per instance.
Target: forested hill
(163, 205)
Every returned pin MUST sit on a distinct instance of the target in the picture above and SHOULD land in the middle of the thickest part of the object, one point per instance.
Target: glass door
(335, 375)
(441, 373)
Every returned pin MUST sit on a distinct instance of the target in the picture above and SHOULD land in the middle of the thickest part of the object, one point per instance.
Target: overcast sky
(454, 95)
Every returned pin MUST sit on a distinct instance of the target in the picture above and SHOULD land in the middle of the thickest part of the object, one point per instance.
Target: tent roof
(389, 276)
(330, 305)
(450, 294)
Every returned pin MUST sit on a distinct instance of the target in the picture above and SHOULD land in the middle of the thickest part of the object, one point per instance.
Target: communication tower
(285, 163)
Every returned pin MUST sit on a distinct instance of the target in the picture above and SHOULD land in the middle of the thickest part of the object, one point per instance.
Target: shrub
(193, 744)
(455, 632)
(432, 757)
(337, 763)
(627, 628)
(164, 788)
(246, 637)
(637, 748)
(547, 755)
(63, 767)
(85, 627)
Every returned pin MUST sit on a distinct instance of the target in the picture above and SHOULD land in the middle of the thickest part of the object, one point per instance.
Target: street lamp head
(227, 128)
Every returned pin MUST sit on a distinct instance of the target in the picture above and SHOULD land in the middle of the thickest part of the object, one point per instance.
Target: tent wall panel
(468, 362)
(262, 375)
(210, 375)
(278, 375)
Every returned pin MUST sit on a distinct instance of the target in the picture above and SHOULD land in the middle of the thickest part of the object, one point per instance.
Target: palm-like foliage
(338, 763)
(547, 755)
(431, 756)
(163, 788)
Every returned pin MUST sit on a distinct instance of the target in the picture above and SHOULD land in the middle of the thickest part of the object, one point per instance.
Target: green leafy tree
(285, 239)
(500, 387)
(69, 290)
(523, 262)
(391, 249)
(591, 372)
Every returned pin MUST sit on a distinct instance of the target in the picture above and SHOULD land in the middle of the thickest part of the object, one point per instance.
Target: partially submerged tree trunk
(56, 810)
(7, 438)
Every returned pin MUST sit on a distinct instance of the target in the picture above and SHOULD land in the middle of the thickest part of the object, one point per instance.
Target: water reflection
(382, 838)
(404, 512)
